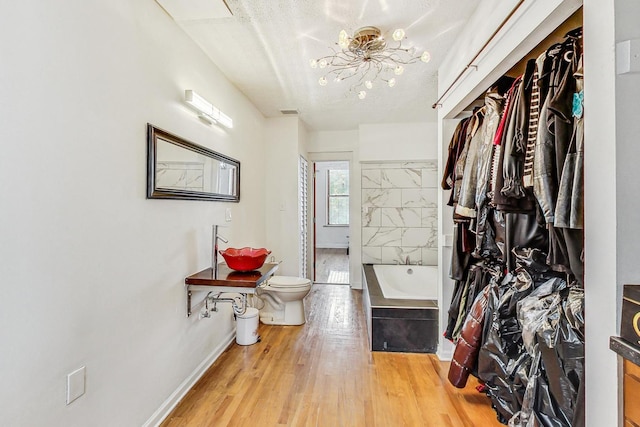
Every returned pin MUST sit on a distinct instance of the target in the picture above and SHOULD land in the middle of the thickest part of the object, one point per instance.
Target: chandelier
(367, 59)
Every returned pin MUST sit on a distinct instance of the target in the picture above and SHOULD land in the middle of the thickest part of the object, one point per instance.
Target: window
(338, 197)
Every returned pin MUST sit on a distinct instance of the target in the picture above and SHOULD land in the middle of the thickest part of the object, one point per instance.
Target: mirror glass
(179, 169)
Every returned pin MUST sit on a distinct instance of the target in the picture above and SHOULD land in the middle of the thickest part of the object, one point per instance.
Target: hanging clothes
(477, 164)
(515, 145)
(570, 207)
(456, 145)
(538, 93)
(468, 147)
(500, 141)
(515, 170)
(556, 135)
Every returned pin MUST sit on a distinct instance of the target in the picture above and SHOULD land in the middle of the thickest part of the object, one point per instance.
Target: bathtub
(418, 282)
(400, 303)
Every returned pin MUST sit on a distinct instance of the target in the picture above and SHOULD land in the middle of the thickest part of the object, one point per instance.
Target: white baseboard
(172, 401)
(444, 356)
(332, 245)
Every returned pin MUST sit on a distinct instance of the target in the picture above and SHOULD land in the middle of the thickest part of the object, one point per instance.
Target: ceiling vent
(289, 112)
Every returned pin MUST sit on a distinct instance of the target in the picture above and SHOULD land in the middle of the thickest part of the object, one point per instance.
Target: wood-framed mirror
(180, 169)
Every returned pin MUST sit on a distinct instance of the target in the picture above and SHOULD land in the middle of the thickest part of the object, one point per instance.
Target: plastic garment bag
(503, 364)
(552, 328)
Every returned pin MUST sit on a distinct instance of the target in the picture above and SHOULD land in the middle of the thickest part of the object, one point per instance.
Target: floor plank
(332, 266)
(322, 374)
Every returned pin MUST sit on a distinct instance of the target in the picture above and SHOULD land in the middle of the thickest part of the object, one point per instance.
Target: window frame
(330, 196)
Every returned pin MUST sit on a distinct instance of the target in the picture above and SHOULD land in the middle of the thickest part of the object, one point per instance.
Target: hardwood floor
(332, 266)
(322, 374)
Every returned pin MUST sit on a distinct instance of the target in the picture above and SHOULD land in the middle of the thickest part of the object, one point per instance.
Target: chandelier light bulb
(367, 59)
(343, 39)
(398, 34)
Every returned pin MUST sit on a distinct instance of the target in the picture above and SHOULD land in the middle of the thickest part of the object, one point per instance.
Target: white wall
(601, 235)
(92, 272)
(401, 141)
(333, 141)
(284, 144)
(446, 128)
(627, 129)
(328, 236)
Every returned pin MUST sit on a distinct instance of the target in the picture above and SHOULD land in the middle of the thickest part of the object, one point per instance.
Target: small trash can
(247, 327)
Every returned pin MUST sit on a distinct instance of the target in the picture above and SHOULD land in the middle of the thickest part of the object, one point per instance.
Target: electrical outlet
(75, 384)
(227, 214)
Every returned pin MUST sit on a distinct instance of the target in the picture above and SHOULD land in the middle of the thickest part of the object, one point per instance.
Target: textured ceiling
(264, 48)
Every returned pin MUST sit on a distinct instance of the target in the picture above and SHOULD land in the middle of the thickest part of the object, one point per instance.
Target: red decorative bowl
(245, 259)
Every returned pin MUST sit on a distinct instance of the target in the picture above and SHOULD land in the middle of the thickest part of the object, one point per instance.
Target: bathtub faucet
(407, 261)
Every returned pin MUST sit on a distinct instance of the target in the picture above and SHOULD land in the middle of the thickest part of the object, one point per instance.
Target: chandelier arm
(395, 57)
(360, 81)
(346, 62)
(372, 67)
(381, 63)
(342, 72)
(379, 68)
(341, 54)
(349, 62)
(345, 74)
(345, 58)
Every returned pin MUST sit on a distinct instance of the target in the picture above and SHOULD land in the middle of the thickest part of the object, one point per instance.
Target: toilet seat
(284, 282)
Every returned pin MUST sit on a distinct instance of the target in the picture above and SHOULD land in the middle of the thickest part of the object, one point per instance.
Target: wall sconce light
(207, 112)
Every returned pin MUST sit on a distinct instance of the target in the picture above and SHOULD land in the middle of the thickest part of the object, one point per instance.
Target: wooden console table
(228, 280)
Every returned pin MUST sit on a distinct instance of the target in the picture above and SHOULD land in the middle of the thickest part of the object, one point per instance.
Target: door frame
(354, 223)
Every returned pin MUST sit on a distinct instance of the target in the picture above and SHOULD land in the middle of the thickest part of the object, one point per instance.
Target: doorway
(331, 222)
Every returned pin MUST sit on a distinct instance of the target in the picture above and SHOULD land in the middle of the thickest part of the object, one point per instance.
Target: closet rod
(470, 64)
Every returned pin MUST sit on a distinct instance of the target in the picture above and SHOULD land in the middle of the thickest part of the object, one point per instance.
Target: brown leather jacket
(468, 345)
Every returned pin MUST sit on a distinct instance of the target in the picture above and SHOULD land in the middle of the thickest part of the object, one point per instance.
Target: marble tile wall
(399, 212)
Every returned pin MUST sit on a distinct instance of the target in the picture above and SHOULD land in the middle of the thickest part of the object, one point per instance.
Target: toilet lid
(287, 281)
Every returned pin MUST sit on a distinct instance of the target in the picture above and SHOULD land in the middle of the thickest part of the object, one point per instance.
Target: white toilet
(282, 297)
